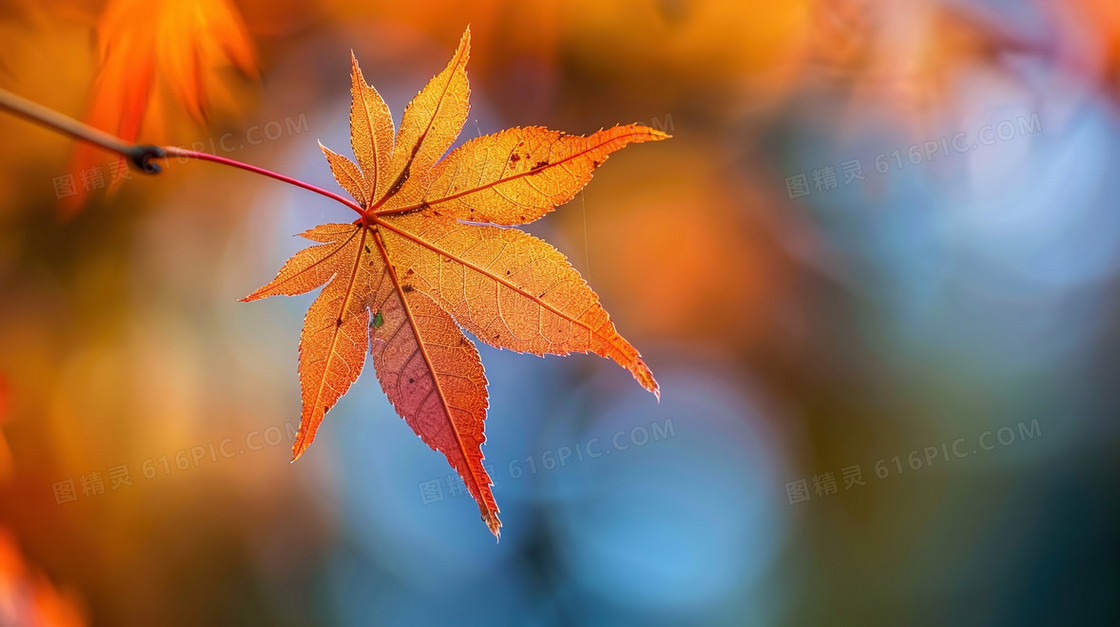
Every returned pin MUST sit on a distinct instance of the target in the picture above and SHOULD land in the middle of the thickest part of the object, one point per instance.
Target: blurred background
(875, 272)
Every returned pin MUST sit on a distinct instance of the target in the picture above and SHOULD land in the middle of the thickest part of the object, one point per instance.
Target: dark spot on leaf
(596, 163)
(507, 272)
(410, 271)
(367, 249)
(410, 380)
(338, 322)
(404, 175)
(514, 158)
(406, 288)
(540, 164)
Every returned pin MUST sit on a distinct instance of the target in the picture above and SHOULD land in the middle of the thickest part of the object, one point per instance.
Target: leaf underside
(428, 259)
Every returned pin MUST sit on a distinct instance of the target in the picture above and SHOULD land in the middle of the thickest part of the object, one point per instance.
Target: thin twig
(172, 151)
(55, 121)
(141, 155)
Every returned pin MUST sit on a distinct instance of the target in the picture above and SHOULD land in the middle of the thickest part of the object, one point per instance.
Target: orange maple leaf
(420, 263)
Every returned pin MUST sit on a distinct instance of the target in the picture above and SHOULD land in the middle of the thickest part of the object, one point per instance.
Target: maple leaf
(402, 281)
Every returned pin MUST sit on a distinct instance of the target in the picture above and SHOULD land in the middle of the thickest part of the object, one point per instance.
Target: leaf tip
(495, 525)
(300, 446)
(653, 134)
(644, 376)
(356, 73)
(465, 40)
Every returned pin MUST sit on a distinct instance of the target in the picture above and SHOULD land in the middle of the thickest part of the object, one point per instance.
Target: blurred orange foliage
(3, 399)
(27, 596)
(1100, 19)
(145, 47)
(5, 451)
(911, 52)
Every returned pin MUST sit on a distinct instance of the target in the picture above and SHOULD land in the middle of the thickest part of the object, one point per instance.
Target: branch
(141, 155)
